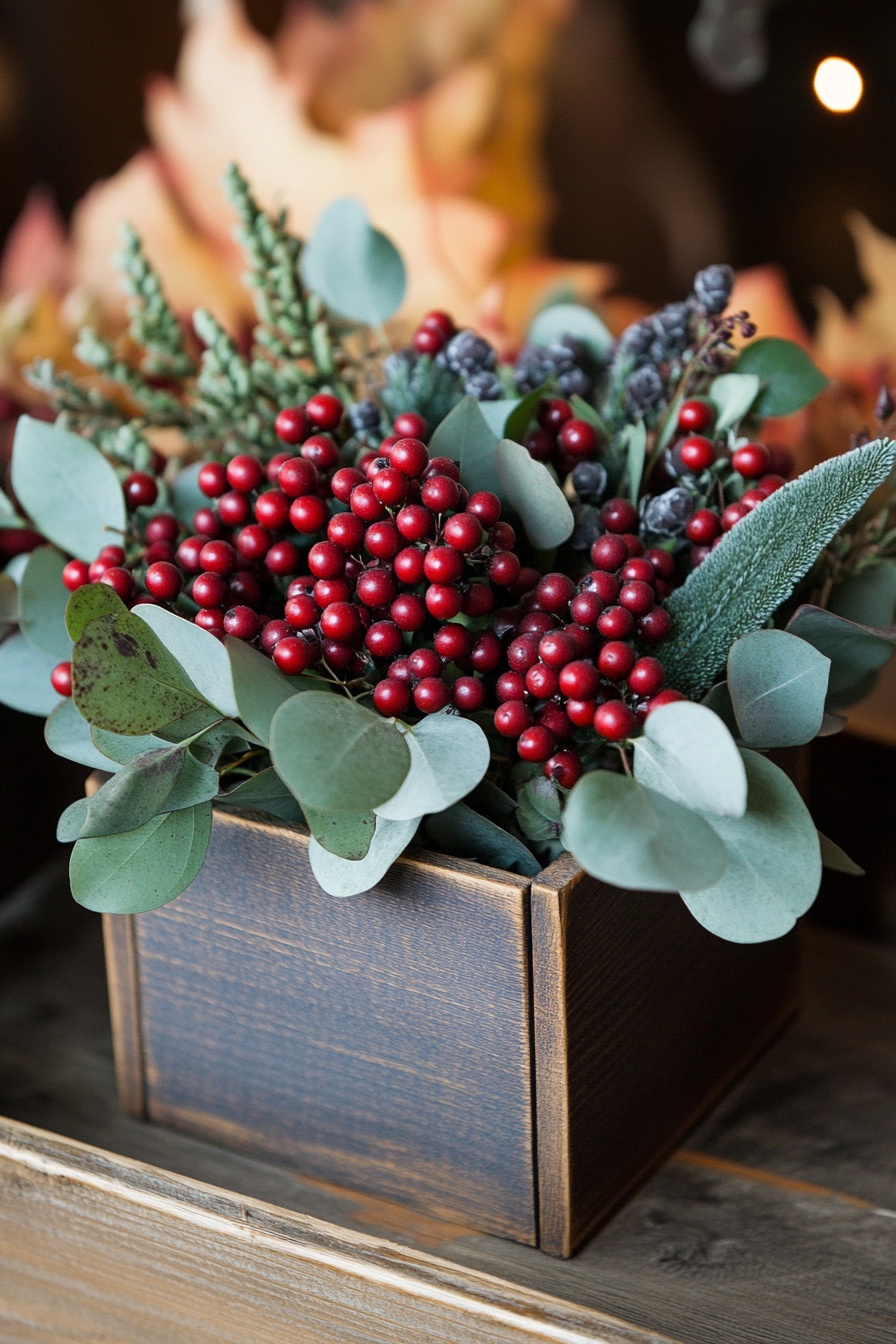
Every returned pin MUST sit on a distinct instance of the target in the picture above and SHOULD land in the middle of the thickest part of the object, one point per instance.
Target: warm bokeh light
(837, 84)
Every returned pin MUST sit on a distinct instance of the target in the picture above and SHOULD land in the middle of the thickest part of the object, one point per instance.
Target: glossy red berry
(503, 569)
(442, 564)
(411, 425)
(468, 694)
(536, 744)
(382, 540)
(464, 533)
(564, 768)
(555, 592)
(298, 477)
(440, 493)
(392, 697)
(242, 623)
(162, 527)
(513, 717)
(326, 560)
(614, 721)
(234, 509)
(140, 489)
(427, 341)
(408, 565)
(409, 456)
(308, 514)
(208, 523)
(390, 486)
(112, 555)
(696, 452)
(272, 509)
(510, 686)
(212, 479)
(272, 633)
(751, 460)
(324, 410)
(619, 515)
(485, 506)
(283, 558)
(431, 694)
(294, 655)
(616, 659)
(443, 601)
(557, 649)
(121, 581)
(343, 483)
(695, 417)
(639, 569)
(579, 439)
(580, 680)
(542, 681)
(244, 473)
(769, 484)
(364, 503)
(274, 466)
(616, 623)
(327, 591)
(668, 697)
(209, 590)
(61, 679)
(346, 530)
(553, 413)
(609, 553)
(454, 641)
(210, 619)
(750, 498)
(637, 597)
(734, 513)
(703, 527)
(581, 712)
(218, 557)
(301, 611)
(75, 574)
(585, 608)
(164, 581)
(321, 452)
(655, 626)
(376, 588)
(646, 677)
(408, 611)
(383, 639)
(478, 600)
(291, 424)
(342, 621)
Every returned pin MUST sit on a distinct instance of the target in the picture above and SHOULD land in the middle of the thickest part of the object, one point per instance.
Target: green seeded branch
(153, 323)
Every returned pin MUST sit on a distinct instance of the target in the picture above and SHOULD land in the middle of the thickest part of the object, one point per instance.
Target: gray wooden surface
(777, 1224)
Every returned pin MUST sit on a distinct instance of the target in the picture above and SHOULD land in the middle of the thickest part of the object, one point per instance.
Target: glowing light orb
(838, 85)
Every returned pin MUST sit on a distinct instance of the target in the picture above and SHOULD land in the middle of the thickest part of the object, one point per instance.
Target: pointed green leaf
(336, 755)
(634, 440)
(856, 652)
(688, 755)
(345, 877)
(355, 269)
(141, 869)
(832, 856)
(25, 677)
(461, 831)
(68, 734)
(790, 378)
(534, 494)
(571, 319)
(737, 587)
(202, 656)
(518, 420)
(167, 779)
(774, 862)
(466, 438)
(348, 835)
(732, 395)
(264, 792)
(67, 488)
(449, 756)
(778, 685)
(634, 837)
(42, 602)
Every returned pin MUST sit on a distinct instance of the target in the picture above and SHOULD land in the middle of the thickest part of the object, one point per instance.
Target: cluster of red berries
(433, 333)
(561, 437)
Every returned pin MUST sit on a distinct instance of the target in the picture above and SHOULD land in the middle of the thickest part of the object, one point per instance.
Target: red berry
(272, 471)
(513, 718)
(209, 590)
(539, 444)
(208, 523)
(510, 686)
(582, 638)
(752, 459)
(188, 554)
(210, 619)
(341, 658)
(343, 483)
(392, 697)
(542, 681)
(425, 663)
(552, 717)
(555, 592)
(523, 652)
(324, 410)
(411, 425)
(321, 452)
(162, 527)
(536, 623)
(302, 612)
(408, 565)
(383, 639)
(291, 424)
(364, 503)
(655, 626)
(294, 655)
(427, 341)
(609, 553)
(464, 532)
(140, 489)
(376, 588)
(61, 678)
(283, 558)
(581, 712)
(443, 600)
(556, 649)
(564, 768)
(121, 581)
(242, 623)
(414, 522)
(695, 416)
(637, 597)
(536, 744)
(442, 564)
(553, 413)
(272, 509)
(112, 555)
(159, 550)
(440, 493)
(234, 509)
(696, 452)
(342, 621)
(271, 635)
(454, 641)
(733, 514)
(431, 694)
(503, 569)
(164, 581)
(580, 680)
(346, 530)
(245, 590)
(703, 527)
(750, 498)
(646, 677)
(409, 456)
(219, 557)
(212, 479)
(669, 697)
(298, 477)
(468, 694)
(408, 612)
(503, 538)
(326, 560)
(639, 569)
(662, 562)
(485, 506)
(616, 623)
(478, 600)
(382, 540)
(614, 721)
(308, 514)
(327, 591)
(585, 608)
(619, 515)
(439, 321)
(253, 542)
(579, 439)
(604, 584)
(244, 473)
(616, 660)
(390, 486)
(75, 574)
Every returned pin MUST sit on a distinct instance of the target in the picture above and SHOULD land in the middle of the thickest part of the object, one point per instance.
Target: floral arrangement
(507, 609)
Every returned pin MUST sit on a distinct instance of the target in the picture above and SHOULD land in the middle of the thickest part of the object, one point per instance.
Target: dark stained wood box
(514, 1054)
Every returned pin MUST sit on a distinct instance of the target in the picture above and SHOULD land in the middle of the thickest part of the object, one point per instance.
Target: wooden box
(514, 1054)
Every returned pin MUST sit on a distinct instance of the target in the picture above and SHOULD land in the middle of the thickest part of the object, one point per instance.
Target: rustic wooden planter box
(511, 1053)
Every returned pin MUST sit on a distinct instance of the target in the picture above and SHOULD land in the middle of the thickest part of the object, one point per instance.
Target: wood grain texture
(642, 1019)
(124, 1001)
(381, 1042)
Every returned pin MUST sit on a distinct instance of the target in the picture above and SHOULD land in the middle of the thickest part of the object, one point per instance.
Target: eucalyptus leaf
(15, 568)
(88, 603)
(718, 699)
(687, 754)
(202, 656)
(583, 410)
(42, 602)
(774, 862)
(832, 856)
(346, 877)
(534, 494)
(466, 438)
(355, 269)
(449, 757)
(123, 747)
(166, 779)
(335, 755)
(25, 677)
(496, 413)
(9, 517)
(868, 598)
(348, 835)
(67, 733)
(67, 488)
(461, 831)
(186, 497)
(791, 380)
(732, 395)
(778, 686)
(518, 420)
(259, 687)
(264, 792)
(141, 869)
(571, 319)
(632, 836)
(856, 652)
(125, 680)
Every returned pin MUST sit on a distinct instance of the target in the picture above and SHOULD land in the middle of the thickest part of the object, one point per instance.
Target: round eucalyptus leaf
(348, 835)
(347, 877)
(687, 754)
(468, 834)
(67, 733)
(466, 437)
(571, 319)
(335, 755)
(141, 869)
(778, 685)
(496, 414)
(42, 602)
(203, 657)
(355, 269)
(25, 677)
(774, 862)
(166, 779)
(67, 488)
(856, 651)
(260, 688)
(791, 379)
(264, 792)
(449, 756)
(88, 603)
(534, 494)
(624, 833)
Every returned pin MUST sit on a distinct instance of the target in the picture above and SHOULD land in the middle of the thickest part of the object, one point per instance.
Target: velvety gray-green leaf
(736, 588)
(790, 378)
(355, 268)
(336, 755)
(773, 862)
(345, 877)
(42, 602)
(687, 754)
(348, 835)
(167, 779)
(125, 680)
(857, 652)
(67, 733)
(534, 494)
(634, 837)
(778, 686)
(466, 438)
(67, 488)
(202, 656)
(144, 868)
(461, 831)
(25, 677)
(264, 792)
(449, 756)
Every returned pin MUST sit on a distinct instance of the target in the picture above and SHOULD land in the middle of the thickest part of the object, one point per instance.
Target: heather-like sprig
(154, 325)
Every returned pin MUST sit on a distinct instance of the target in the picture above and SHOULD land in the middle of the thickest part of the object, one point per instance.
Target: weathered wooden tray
(513, 1053)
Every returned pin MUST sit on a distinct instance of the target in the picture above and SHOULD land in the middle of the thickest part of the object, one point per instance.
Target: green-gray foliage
(141, 869)
(778, 685)
(348, 877)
